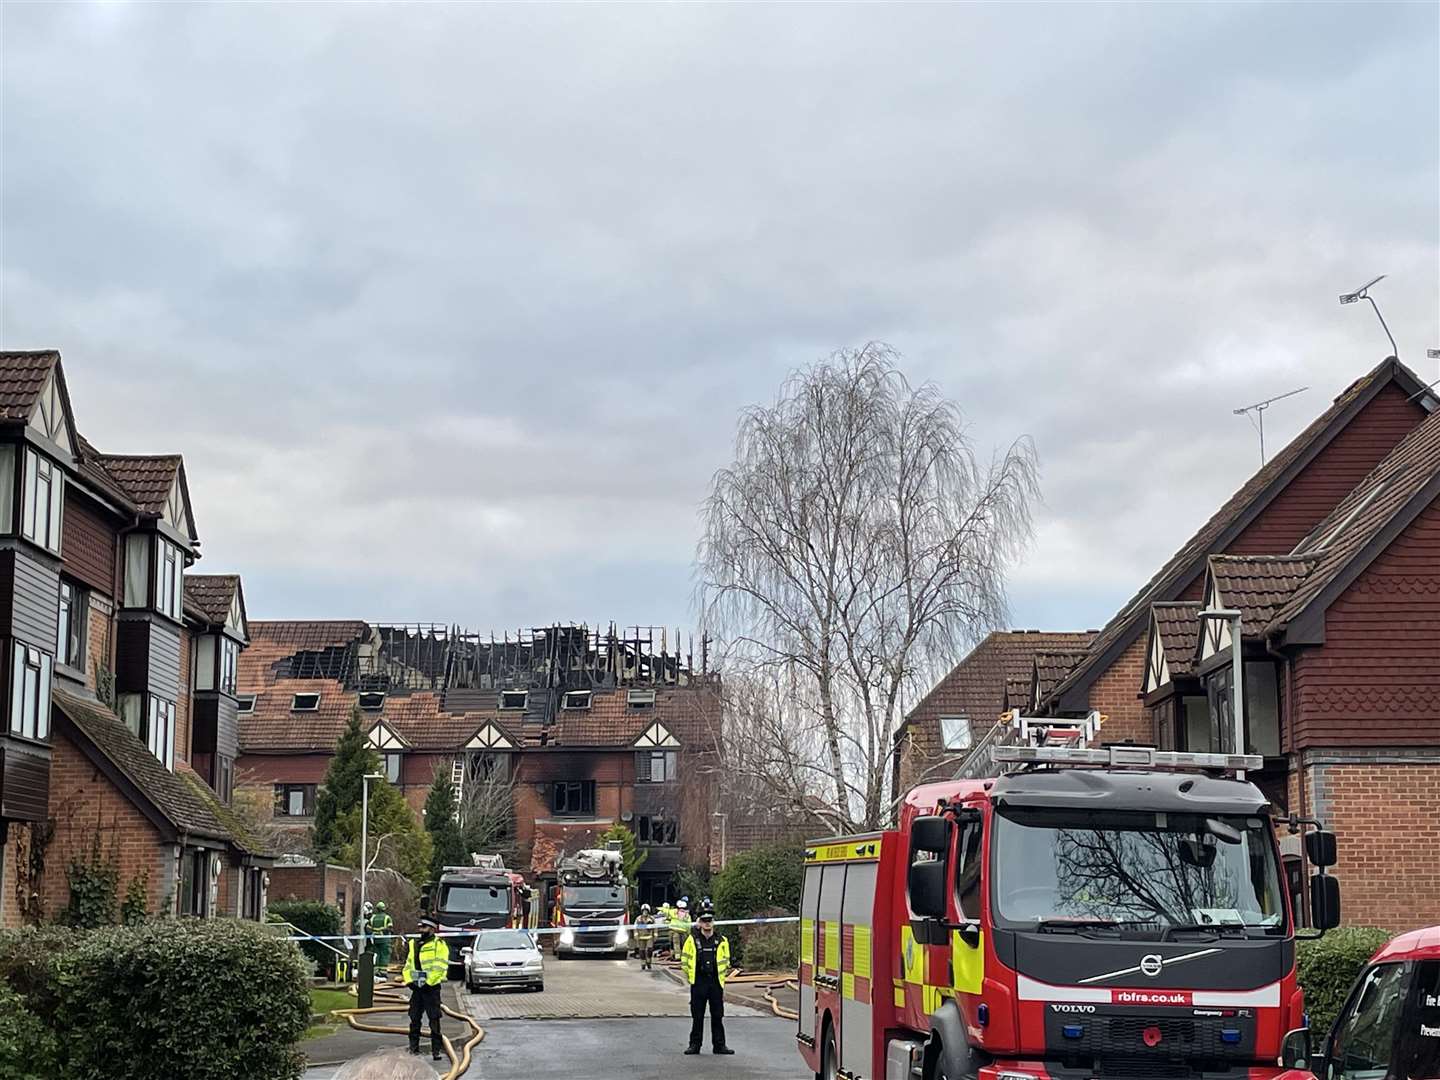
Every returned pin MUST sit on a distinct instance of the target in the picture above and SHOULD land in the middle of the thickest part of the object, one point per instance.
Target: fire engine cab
(1114, 912)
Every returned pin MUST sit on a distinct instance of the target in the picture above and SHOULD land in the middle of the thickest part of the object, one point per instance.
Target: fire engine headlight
(567, 937)
(622, 936)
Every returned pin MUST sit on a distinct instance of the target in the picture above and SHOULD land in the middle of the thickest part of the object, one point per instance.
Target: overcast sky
(451, 309)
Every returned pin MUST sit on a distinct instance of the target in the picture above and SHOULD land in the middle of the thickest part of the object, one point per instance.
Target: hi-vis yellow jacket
(722, 958)
(431, 957)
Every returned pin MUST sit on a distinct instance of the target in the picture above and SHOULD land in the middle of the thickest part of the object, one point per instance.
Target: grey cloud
(336, 253)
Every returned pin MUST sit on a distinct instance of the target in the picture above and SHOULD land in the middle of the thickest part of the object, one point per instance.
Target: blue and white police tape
(577, 928)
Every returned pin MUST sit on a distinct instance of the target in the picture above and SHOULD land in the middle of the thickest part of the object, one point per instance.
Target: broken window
(656, 766)
(514, 699)
(573, 797)
(654, 830)
(576, 699)
(371, 699)
(305, 703)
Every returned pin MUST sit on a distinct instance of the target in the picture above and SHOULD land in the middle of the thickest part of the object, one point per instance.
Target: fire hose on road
(459, 1063)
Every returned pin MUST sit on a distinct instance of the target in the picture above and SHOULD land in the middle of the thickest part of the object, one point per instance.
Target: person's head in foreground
(386, 1065)
(427, 928)
(707, 923)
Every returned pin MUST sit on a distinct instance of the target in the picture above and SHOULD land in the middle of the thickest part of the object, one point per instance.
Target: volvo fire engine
(592, 903)
(482, 896)
(1088, 913)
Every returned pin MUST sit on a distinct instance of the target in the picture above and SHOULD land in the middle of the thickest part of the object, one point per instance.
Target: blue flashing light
(1230, 1035)
(1073, 1031)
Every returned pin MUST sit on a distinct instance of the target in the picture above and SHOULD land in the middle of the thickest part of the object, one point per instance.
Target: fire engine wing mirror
(931, 834)
(1324, 901)
(926, 883)
(1320, 848)
(1295, 1050)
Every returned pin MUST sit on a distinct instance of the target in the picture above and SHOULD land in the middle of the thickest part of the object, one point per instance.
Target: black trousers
(709, 993)
(425, 999)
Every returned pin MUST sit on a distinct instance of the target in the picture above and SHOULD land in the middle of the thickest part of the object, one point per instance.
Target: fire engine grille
(594, 941)
(1127, 1033)
(1144, 1069)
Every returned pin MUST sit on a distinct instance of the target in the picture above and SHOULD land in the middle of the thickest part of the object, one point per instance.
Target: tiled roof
(1051, 667)
(1178, 624)
(1258, 585)
(976, 686)
(22, 377)
(147, 478)
(1184, 564)
(92, 469)
(1017, 693)
(1365, 512)
(211, 594)
(175, 798)
(273, 643)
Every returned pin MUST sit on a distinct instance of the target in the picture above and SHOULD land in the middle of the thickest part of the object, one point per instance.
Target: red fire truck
(1113, 912)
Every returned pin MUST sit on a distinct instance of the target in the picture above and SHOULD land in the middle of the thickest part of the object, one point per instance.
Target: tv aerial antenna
(1256, 413)
(1433, 354)
(1363, 293)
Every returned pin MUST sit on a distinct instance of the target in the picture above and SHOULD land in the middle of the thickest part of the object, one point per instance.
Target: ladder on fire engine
(1014, 729)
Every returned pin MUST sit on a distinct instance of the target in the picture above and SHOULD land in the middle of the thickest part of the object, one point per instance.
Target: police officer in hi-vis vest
(427, 963)
(705, 959)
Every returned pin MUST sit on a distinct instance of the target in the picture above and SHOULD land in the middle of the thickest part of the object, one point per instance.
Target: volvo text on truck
(1092, 913)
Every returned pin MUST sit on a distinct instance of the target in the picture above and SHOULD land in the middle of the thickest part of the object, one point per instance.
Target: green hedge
(1327, 969)
(204, 1000)
(313, 917)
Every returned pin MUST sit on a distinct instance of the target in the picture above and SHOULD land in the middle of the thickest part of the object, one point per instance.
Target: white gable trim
(657, 734)
(235, 620)
(489, 737)
(1157, 667)
(1215, 633)
(382, 737)
(49, 417)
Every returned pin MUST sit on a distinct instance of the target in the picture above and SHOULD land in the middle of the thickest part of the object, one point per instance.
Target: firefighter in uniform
(427, 963)
(382, 924)
(679, 926)
(705, 959)
(645, 936)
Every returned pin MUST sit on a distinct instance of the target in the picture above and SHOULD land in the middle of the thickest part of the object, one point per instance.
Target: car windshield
(1134, 869)
(503, 939)
(594, 896)
(474, 900)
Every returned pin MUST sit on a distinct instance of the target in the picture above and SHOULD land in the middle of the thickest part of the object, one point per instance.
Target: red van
(1389, 1028)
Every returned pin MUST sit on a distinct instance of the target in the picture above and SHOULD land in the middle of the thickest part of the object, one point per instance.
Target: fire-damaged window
(371, 699)
(656, 766)
(576, 699)
(514, 699)
(655, 830)
(294, 800)
(573, 797)
(305, 703)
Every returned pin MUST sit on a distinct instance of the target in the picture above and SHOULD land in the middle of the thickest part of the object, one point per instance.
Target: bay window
(154, 574)
(44, 497)
(229, 652)
(7, 488)
(169, 578)
(30, 672)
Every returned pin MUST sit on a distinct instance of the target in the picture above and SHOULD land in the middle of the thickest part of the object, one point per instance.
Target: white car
(503, 958)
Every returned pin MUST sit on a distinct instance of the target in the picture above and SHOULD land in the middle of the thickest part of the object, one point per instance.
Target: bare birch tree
(853, 548)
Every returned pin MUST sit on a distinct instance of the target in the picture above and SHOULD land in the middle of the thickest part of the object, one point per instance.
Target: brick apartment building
(118, 672)
(1332, 554)
(579, 729)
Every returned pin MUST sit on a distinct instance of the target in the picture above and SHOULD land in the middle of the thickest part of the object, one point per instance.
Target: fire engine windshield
(594, 896)
(1135, 870)
(474, 900)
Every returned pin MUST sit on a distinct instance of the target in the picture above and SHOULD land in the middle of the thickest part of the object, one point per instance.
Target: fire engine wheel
(827, 1056)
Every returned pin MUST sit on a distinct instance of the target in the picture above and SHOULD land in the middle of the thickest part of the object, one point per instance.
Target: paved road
(606, 1018)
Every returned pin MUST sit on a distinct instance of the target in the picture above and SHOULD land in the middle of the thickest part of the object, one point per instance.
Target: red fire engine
(1093, 913)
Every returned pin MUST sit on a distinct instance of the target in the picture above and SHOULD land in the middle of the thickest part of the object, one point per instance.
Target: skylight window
(641, 699)
(955, 732)
(245, 703)
(576, 699)
(305, 703)
(371, 699)
(514, 699)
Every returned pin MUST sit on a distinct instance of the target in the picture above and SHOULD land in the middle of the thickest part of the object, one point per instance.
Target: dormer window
(576, 699)
(305, 703)
(514, 699)
(216, 658)
(229, 658)
(44, 497)
(245, 703)
(640, 699)
(154, 574)
(372, 699)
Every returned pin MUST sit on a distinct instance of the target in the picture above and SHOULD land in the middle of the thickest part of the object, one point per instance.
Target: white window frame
(295, 705)
(245, 703)
(44, 501)
(74, 618)
(669, 762)
(169, 578)
(229, 659)
(160, 730)
(30, 674)
(578, 700)
(524, 696)
(969, 741)
(393, 762)
(376, 702)
(640, 699)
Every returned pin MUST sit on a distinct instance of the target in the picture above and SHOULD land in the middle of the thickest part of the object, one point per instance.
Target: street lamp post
(1237, 677)
(365, 837)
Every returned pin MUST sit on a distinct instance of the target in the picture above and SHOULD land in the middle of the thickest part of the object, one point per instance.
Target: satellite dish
(627, 815)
